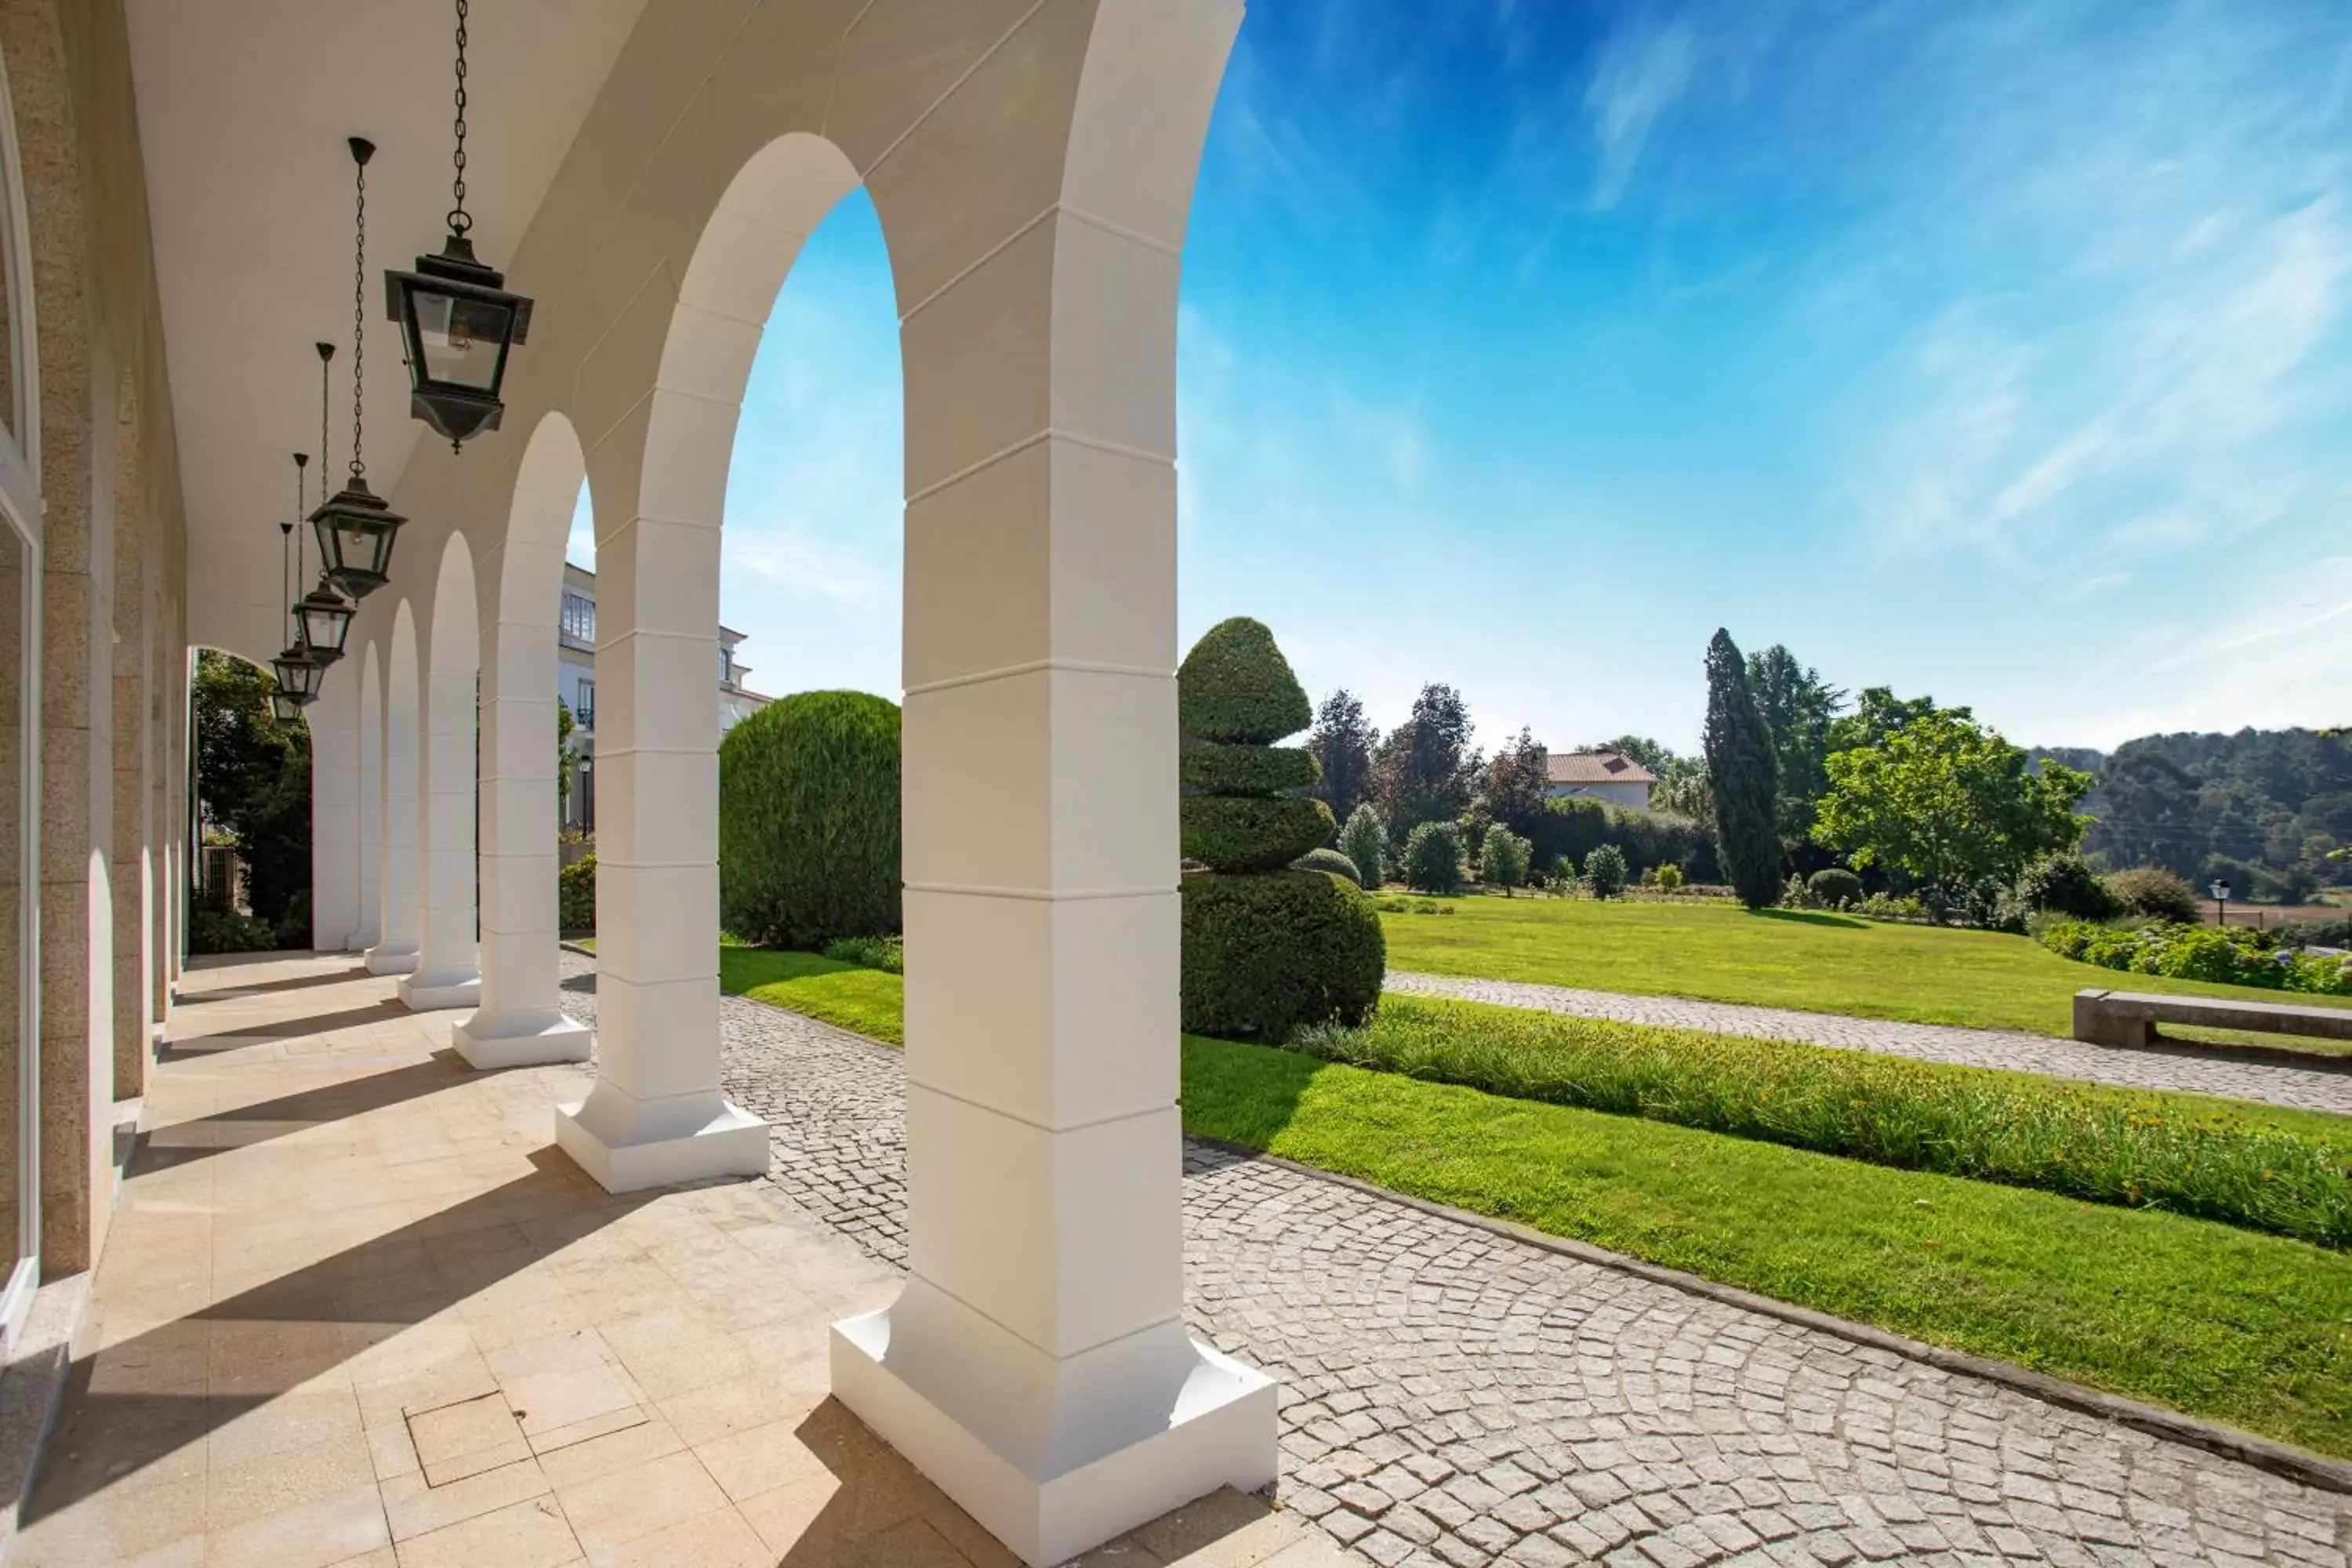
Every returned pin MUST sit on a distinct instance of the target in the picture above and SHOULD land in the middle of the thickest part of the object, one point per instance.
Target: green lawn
(1778, 958)
(2249, 1329)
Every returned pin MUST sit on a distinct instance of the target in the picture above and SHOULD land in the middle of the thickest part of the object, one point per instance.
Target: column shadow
(272, 987)
(282, 1029)
(182, 1143)
(132, 1405)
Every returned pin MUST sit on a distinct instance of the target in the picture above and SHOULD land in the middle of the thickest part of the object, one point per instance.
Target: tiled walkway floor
(355, 1312)
(1452, 1396)
(2182, 1067)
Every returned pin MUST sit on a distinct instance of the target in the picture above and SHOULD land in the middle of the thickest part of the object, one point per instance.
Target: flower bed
(2230, 956)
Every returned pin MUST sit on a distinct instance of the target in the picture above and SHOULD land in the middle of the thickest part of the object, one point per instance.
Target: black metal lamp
(297, 672)
(355, 528)
(284, 708)
(324, 614)
(456, 320)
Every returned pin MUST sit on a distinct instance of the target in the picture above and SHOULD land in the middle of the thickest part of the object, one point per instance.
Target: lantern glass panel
(461, 340)
(282, 709)
(326, 622)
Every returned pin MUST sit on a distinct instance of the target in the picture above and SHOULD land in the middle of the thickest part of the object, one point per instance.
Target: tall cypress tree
(1740, 763)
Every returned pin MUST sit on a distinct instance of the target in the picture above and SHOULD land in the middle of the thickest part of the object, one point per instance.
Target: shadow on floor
(136, 1404)
(185, 1143)
(283, 1030)
(272, 987)
(579, 982)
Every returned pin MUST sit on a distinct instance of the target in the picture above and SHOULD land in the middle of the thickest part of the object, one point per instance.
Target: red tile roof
(1605, 765)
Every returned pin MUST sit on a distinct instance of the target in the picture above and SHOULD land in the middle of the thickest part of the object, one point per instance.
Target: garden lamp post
(2221, 901)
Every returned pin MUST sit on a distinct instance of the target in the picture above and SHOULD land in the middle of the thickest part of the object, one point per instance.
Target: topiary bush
(2065, 885)
(575, 896)
(1604, 871)
(1266, 948)
(808, 821)
(1364, 839)
(1432, 860)
(1330, 860)
(1835, 887)
(1670, 878)
(2154, 894)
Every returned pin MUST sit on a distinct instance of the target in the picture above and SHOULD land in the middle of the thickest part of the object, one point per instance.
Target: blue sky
(1997, 351)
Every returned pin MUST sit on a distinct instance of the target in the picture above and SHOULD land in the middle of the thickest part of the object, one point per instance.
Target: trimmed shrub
(2154, 894)
(1330, 860)
(1227, 690)
(808, 821)
(884, 952)
(1604, 871)
(1432, 860)
(1266, 949)
(1835, 887)
(1282, 951)
(1212, 769)
(2232, 955)
(1365, 841)
(1503, 859)
(1670, 878)
(575, 896)
(2065, 885)
(1237, 833)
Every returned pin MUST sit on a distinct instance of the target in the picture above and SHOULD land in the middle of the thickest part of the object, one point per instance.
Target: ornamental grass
(2216, 1160)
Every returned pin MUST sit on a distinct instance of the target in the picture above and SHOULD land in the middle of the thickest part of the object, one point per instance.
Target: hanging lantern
(324, 616)
(456, 320)
(355, 528)
(284, 708)
(297, 672)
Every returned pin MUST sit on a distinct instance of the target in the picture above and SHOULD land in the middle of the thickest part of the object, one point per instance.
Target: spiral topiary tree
(1266, 948)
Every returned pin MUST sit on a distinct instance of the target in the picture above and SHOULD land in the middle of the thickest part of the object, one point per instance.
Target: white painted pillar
(1036, 1365)
(448, 958)
(370, 804)
(399, 879)
(655, 1114)
(521, 1021)
(335, 812)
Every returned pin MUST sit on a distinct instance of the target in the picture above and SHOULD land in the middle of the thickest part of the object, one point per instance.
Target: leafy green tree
(565, 757)
(1947, 801)
(1432, 858)
(1342, 741)
(1745, 775)
(1878, 713)
(1503, 860)
(1364, 839)
(1604, 871)
(1425, 770)
(1799, 707)
(252, 781)
(1516, 782)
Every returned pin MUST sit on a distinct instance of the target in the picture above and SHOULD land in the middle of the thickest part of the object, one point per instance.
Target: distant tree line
(2271, 810)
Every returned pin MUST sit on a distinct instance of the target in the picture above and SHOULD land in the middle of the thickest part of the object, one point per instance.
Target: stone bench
(2130, 1017)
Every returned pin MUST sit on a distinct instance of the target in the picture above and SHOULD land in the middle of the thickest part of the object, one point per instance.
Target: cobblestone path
(1455, 1397)
(2183, 1067)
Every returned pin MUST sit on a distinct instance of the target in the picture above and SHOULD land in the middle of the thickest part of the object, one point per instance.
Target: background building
(1603, 773)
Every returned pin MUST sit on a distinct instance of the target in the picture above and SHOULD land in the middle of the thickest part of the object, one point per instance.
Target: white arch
(448, 958)
(370, 822)
(522, 1019)
(396, 948)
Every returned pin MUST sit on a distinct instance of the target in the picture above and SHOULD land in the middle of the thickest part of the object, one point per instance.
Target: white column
(398, 877)
(448, 958)
(335, 812)
(521, 1021)
(370, 804)
(655, 1114)
(1036, 1365)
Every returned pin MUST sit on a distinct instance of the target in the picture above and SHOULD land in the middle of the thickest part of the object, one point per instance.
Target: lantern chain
(326, 451)
(459, 222)
(359, 321)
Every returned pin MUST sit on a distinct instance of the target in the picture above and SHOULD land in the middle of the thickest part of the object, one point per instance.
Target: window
(726, 665)
(583, 705)
(579, 622)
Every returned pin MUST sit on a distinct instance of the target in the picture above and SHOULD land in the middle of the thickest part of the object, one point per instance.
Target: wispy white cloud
(1641, 74)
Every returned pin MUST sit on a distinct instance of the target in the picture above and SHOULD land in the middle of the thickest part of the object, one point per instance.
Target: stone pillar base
(389, 958)
(520, 1040)
(628, 1145)
(1054, 1457)
(433, 993)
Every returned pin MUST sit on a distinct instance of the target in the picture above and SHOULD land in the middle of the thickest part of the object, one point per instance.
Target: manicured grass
(866, 1001)
(2256, 1330)
(2258, 1166)
(2249, 1329)
(1778, 958)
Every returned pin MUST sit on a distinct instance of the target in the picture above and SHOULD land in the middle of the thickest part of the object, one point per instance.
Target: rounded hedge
(1265, 955)
(1834, 886)
(808, 821)
(2065, 885)
(575, 895)
(1245, 770)
(1330, 860)
(1604, 871)
(1235, 687)
(1242, 832)
(2156, 893)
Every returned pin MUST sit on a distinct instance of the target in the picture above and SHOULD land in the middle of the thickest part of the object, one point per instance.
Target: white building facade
(176, 235)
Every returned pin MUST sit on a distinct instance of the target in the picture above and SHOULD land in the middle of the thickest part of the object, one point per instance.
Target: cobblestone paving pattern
(1456, 1397)
(2310, 1088)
